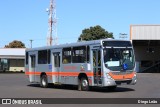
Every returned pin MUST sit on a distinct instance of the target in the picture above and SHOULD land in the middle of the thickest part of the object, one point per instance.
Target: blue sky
(27, 19)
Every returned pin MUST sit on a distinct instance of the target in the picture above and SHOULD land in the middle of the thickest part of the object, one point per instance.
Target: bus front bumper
(109, 81)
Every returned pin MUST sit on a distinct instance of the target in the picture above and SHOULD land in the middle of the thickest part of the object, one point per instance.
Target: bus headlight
(134, 79)
(108, 76)
(135, 76)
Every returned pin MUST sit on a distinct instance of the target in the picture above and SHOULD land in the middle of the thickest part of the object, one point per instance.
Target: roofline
(74, 44)
(13, 48)
(145, 25)
(12, 56)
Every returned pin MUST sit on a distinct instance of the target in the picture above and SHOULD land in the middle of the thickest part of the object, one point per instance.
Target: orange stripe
(89, 74)
(122, 77)
(115, 77)
(32, 73)
(29, 73)
(52, 73)
(68, 73)
(60, 73)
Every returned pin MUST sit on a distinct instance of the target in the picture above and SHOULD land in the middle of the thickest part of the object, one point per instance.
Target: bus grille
(121, 73)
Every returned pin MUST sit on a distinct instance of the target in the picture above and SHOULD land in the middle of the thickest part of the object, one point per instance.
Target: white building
(146, 43)
(12, 59)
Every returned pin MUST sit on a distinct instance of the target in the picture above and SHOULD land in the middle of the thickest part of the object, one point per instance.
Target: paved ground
(17, 86)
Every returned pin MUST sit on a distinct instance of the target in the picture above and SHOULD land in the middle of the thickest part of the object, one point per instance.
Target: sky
(27, 19)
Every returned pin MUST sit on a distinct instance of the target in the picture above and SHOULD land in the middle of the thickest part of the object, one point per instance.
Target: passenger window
(66, 56)
(44, 56)
(79, 54)
(49, 56)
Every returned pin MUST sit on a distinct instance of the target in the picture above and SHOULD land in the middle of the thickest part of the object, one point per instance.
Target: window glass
(26, 58)
(44, 57)
(79, 54)
(56, 60)
(33, 61)
(88, 53)
(116, 59)
(117, 43)
(66, 55)
(49, 56)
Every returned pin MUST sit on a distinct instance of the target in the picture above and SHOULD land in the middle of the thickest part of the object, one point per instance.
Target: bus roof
(73, 44)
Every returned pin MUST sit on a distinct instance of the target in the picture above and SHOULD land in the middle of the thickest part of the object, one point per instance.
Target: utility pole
(31, 42)
(52, 24)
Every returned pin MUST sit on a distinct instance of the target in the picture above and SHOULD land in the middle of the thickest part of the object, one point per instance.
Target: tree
(15, 44)
(94, 33)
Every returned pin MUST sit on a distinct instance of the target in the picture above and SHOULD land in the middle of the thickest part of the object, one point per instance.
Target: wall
(145, 32)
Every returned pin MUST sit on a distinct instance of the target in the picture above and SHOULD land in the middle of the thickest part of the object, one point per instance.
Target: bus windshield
(119, 59)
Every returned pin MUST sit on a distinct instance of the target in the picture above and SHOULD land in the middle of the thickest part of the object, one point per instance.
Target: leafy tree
(94, 33)
(15, 44)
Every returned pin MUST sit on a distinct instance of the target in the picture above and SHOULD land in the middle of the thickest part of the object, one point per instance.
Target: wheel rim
(84, 83)
(43, 82)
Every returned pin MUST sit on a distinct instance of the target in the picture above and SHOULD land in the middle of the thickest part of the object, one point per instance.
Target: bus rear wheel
(84, 84)
(44, 81)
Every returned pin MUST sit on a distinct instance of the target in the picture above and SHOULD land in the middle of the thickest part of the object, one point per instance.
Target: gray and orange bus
(99, 63)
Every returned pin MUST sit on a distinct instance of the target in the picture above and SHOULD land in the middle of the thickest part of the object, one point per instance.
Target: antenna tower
(52, 24)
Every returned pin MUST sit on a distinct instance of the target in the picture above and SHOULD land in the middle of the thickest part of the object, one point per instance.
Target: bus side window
(49, 56)
(79, 54)
(44, 56)
(66, 56)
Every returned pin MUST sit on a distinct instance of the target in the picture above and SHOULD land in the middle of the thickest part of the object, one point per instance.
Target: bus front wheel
(44, 81)
(84, 84)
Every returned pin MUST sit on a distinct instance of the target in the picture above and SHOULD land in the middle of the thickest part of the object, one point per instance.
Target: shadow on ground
(92, 89)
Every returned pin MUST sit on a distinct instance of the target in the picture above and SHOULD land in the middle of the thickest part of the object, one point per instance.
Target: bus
(98, 63)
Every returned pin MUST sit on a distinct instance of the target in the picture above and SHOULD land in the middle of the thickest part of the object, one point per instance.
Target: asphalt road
(17, 86)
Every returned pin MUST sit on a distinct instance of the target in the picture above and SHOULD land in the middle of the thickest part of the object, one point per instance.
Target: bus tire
(44, 81)
(84, 84)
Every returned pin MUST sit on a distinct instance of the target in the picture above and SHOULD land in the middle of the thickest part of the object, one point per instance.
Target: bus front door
(56, 67)
(97, 66)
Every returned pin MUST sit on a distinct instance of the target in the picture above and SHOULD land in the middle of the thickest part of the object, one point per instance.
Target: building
(146, 43)
(12, 59)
